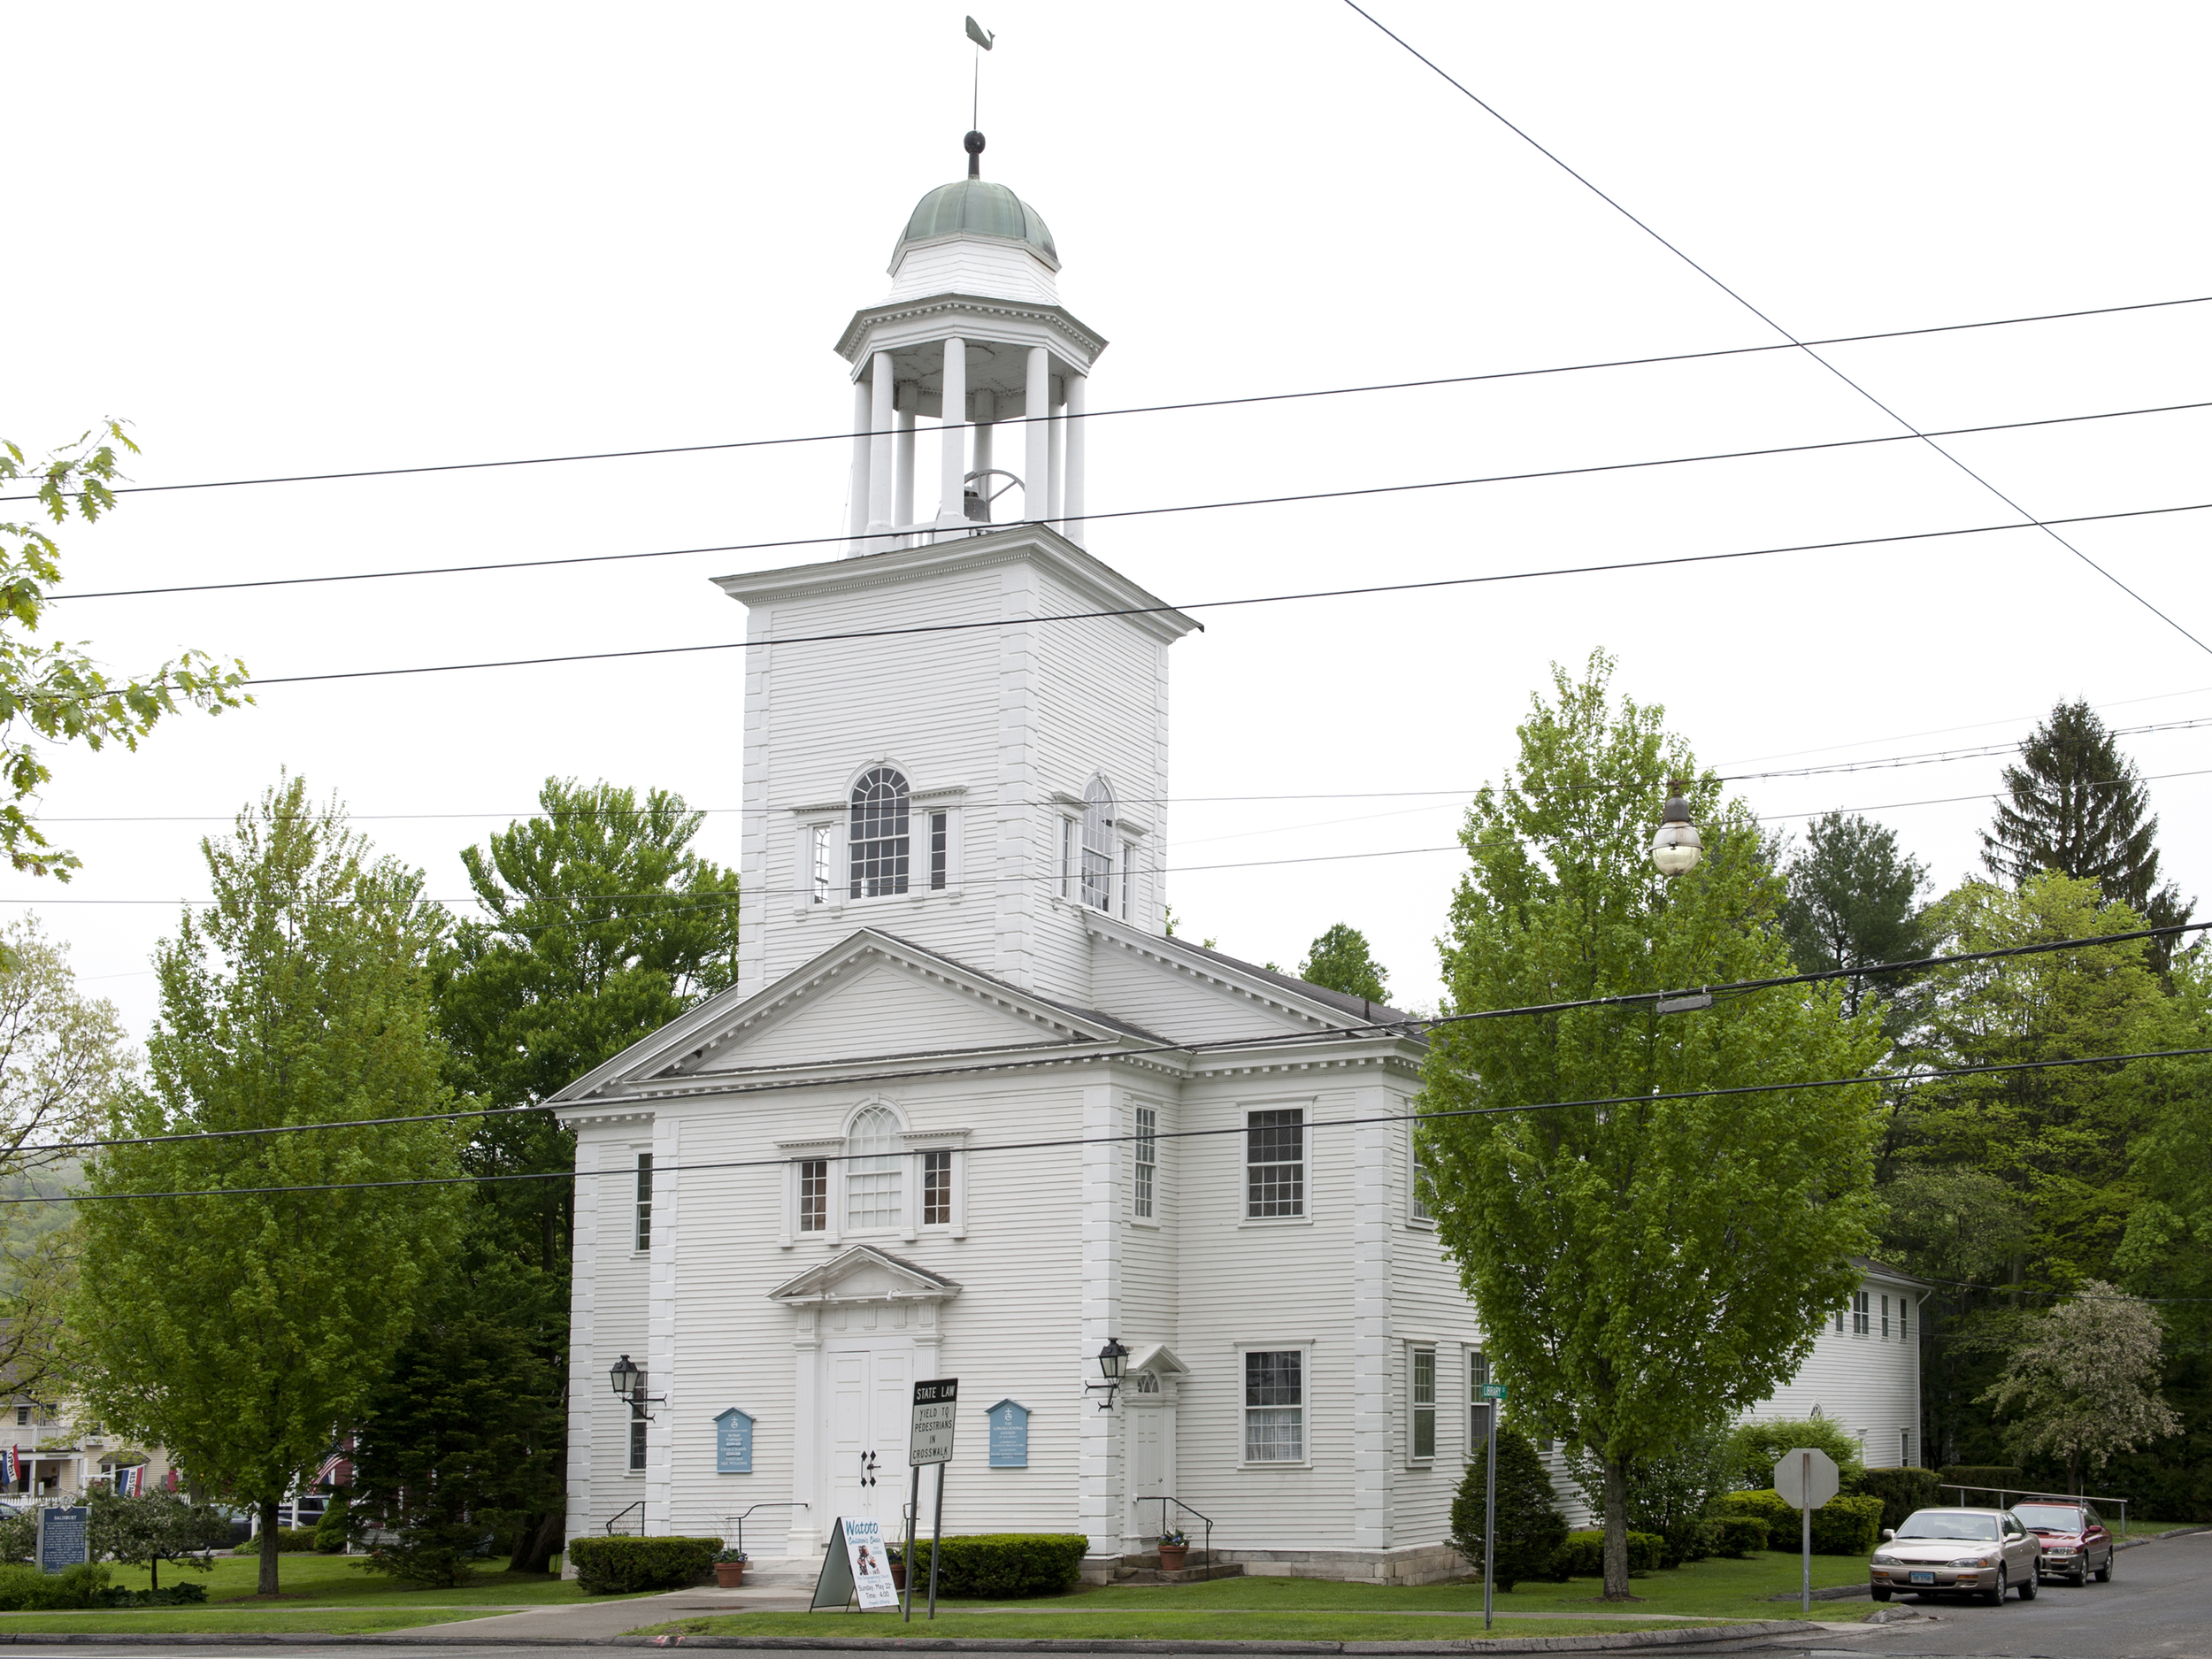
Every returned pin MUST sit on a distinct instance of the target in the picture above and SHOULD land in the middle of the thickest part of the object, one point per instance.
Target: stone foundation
(1420, 1563)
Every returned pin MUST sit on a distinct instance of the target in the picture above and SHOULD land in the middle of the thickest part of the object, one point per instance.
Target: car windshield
(1948, 1523)
(2049, 1518)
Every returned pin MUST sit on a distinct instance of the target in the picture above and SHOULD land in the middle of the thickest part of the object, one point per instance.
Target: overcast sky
(291, 239)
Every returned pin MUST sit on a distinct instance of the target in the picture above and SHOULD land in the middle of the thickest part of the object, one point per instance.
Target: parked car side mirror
(1888, 1532)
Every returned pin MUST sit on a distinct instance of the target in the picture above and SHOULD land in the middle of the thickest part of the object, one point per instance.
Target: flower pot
(729, 1574)
(898, 1575)
(1172, 1556)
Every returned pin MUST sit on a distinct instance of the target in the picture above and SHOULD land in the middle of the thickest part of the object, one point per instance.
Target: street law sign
(1806, 1477)
(929, 1439)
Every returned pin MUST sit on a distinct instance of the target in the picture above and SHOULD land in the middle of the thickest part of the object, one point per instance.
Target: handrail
(2046, 1497)
(1208, 1520)
(619, 1514)
(770, 1504)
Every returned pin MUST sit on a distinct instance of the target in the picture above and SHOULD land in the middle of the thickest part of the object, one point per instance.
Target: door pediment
(865, 1274)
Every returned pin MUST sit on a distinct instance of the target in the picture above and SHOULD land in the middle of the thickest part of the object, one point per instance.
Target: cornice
(1055, 317)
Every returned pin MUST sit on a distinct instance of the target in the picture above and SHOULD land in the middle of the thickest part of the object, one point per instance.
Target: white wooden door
(1151, 1468)
(869, 1394)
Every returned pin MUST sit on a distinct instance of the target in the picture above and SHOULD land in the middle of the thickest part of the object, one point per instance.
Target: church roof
(978, 207)
(1358, 1007)
(1094, 1015)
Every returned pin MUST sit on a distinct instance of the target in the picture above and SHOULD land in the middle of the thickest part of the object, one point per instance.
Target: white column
(1036, 462)
(902, 448)
(662, 1359)
(808, 1527)
(880, 474)
(588, 1420)
(985, 412)
(857, 494)
(1055, 460)
(952, 438)
(1100, 1506)
(1071, 489)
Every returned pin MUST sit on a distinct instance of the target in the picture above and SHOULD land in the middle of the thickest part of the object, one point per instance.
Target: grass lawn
(322, 1581)
(232, 1621)
(2151, 1529)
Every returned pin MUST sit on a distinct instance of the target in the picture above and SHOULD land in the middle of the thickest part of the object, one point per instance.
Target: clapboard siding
(1429, 1309)
(883, 1010)
(1868, 1383)
(1186, 1007)
(620, 1292)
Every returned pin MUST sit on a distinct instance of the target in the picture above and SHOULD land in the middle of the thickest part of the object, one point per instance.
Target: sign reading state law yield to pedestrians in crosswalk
(930, 1438)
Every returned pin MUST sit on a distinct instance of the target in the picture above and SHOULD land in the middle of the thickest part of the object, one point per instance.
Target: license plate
(1923, 1577)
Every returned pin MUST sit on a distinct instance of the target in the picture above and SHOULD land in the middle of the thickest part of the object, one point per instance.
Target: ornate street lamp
(1113, 1365)
(1676, 848)
(628, 1378)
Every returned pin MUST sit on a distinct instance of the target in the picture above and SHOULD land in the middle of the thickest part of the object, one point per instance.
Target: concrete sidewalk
(595, 1621)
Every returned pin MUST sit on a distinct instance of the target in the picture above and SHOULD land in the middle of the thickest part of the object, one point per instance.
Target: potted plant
(1174, 1550)
(895, 1555)
(729, 1569)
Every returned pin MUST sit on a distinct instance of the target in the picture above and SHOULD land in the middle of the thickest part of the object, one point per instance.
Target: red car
(2075, 1542)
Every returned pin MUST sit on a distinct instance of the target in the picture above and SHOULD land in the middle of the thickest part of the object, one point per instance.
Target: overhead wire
(1804, 346)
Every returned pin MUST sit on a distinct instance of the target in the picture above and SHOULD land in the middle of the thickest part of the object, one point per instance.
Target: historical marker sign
(733, 1443)
(929, 1440)
(61, 1539)
(1009, 1434)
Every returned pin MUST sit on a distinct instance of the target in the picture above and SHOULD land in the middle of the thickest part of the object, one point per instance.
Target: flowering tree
(2084, 1384)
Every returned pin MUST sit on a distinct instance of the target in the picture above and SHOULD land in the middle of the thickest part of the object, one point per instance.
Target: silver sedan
(1957, 1552)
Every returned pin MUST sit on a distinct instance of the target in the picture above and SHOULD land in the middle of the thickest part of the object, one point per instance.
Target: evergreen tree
(2076, 805)
(1339, 960)
(1851, 897)
(1530, 1527)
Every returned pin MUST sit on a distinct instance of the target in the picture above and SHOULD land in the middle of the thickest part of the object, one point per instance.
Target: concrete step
(1188, 1575)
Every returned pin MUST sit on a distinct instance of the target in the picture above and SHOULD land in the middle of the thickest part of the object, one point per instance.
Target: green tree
(1667, 1491)
(1750, 1451)
(2076, 805)
(601, 924)
(1341, 961)
(2084, 1384)
(2167, 1244)
(1530, 1527)
(51, 692)
(150, 1528)
(461, 1439)
(1646, 1266)
(239, 1316)
(1854, 898)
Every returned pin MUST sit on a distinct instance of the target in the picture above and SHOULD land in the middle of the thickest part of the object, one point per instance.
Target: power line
(887, 539)
(1806, 347)
(1147, 409)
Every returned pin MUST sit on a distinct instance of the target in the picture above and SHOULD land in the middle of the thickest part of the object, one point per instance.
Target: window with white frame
(939, 850)
(1886, 1318)
(1421, 1402)
(874, 1154)
(936, 1189)
(1069, 867)
(1098, 844)
(1904, 1320)
(1479, 1409)
(1418, 1198)
(813, 1194)
(1275, 1162)
(877, 843)
(1861, 1317)
(1275, 1406)
(637, 1431)
(643, 1232)
(1904, 1448)
(1146, 1146)
(1128, 880)
(819, 864)
(1839, 1321)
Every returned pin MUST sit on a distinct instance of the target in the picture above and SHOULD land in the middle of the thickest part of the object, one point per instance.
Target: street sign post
(1494, 1398)
(1805, 1478)
(929, 1440)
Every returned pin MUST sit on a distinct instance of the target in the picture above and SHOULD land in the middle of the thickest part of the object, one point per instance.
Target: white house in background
(1864, 1372)
(970, 1111)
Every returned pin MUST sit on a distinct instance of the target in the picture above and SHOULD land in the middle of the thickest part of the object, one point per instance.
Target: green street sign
(1493, 1391)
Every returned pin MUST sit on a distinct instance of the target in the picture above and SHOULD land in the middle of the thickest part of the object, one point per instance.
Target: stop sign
(1806, 1477)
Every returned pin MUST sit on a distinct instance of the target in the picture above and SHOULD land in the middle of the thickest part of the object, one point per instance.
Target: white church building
(970, 1111)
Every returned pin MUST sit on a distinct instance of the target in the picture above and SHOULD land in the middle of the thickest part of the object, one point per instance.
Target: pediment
(863, 1273)
(1159, 1360)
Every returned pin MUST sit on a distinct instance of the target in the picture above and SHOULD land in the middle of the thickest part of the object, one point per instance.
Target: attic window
(872, 1171)
(1098, 844)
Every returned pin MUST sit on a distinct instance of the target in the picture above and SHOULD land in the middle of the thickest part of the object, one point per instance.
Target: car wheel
(2029, 1586)
(1996, 1597)
(2080, 1574)
(1881, 1593)
(2104, 1573)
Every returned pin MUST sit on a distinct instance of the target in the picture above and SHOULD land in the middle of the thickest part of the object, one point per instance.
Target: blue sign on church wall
(1010, 1435)
(733, 1443)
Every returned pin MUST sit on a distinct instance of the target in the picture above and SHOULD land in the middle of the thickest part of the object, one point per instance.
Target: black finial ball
(972, 143)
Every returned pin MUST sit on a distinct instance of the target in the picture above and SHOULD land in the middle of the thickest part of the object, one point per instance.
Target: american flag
(337, 1468)
(131, 1481)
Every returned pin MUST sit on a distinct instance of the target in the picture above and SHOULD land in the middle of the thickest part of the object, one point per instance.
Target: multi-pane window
(1839, 1322)
(1885, 1316)
(878, 837)
(1275, 1162)
(939, 850)
(1275, 1406)
(22, 1414)
(1068, 867)
(1098, 844)
(814, 1196)
(637, 1437)
(1861, 1317)
(644, 1201)
(819, 864)
(1904, 1447)
(1419, 1209)
(872, 1171)
(1148, 1155)
(1424, 1402)
(1904, 1311)
(1479, 1409)
(936, 1189)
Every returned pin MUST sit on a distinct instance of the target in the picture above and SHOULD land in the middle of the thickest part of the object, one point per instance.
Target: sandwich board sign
(855, 1567)
(929, 1440)
(61, 1539)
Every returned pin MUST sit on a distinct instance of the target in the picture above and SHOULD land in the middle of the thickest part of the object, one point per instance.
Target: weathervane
(982, 37)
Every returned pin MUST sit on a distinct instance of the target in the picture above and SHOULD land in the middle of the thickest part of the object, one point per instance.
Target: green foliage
(2166, 1250)
(1530, 1527)
(335, 1528)
(1339, 960)
(1646, 1267)
(52, 692)
(1901, 1490)
(1583, 1554)
(1667, 1493)
(27, 1590)
(2084, 1383)
(1740, 1535)
(290, 1540)
(1854, 898)
(150, 1528)
(461, 1440)
(1993, 1477)
(615, 1566)
(19, 1533)
(1753, 1450)
(1844, 1525)
(259, 1319)
(999, 1566)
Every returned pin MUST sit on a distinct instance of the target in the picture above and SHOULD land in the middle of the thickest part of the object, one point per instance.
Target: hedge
(1841, 1526)
(997, 1566)
(1901, 1490)
(27, 1590)
(1583, 1554)
(289, 1540)
(1740, 1535)
(1993, 1476)
(614, 1566)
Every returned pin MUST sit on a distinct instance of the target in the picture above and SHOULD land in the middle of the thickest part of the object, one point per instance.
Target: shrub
(997, 1566)
(1841, 1526)
(289, 1540)
(27, 1590)
(1740, 1535)
(1689, 1540)
(611, 1566)
(1530, 1526)
(1583, 1554)
(2006, 1475)
(1901, 1490)
(1754, 1448)
(19, 1533)
(331, 1532)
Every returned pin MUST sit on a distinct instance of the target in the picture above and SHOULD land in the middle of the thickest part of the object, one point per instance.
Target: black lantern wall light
(1113, 1365)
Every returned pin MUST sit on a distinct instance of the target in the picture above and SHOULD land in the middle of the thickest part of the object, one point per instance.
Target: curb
(2179, 1531)
(1691, 1637)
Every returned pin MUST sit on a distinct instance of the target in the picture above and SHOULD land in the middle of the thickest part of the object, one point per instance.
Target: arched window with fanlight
(877, 839)
(874, 1161)
(1098, 844)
